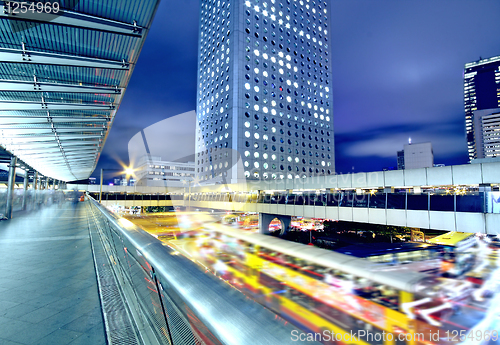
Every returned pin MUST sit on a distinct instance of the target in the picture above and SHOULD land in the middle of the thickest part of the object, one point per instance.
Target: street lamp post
(128, 171)
(100, 189)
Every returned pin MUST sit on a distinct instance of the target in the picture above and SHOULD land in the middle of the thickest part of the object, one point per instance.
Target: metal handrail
(229, 315)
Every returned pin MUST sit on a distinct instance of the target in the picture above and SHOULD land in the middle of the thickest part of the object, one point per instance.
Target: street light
(128, 171)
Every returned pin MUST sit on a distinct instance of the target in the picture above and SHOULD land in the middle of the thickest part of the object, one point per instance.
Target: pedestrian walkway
(48, 287)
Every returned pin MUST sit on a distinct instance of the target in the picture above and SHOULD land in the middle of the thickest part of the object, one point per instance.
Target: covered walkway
(48, 286)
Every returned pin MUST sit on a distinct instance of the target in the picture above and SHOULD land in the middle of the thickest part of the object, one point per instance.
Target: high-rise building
(401, 160)
(264, 95)
(481, 91)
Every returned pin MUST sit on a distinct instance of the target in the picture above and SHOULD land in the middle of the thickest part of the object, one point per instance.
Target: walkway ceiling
(62, 79)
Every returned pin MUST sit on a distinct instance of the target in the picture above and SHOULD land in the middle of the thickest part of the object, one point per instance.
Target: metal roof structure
(62, 78)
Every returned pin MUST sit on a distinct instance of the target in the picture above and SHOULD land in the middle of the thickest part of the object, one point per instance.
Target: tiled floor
(48, 287)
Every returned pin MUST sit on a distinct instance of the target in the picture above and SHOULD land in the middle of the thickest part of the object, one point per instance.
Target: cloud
(373, 149)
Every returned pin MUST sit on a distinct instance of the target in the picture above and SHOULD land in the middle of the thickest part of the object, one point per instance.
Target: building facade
(401, 160)
(154, 172)
(481, 91)
(487, 133)
(264, 98)
(418, 156)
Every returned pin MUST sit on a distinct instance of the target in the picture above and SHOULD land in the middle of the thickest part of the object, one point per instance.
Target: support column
(35, 187)
(35, 180)
(25, 187)
(265, 219)
(10, 187)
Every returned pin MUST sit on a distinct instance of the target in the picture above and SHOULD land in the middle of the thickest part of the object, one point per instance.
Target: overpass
(452, 198)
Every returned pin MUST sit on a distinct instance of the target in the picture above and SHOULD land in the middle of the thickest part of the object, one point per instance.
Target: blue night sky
(397, 73)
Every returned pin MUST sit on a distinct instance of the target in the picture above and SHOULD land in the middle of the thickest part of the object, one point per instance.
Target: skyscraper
(481, 91)
(264, 90)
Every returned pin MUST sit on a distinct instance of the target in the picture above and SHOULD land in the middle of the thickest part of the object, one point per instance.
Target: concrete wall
(467, 174)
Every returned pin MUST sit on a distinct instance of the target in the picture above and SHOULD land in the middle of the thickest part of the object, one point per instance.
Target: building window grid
(267, 70)
(273, 68)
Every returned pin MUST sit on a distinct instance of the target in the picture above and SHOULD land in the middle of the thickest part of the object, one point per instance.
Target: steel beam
(35, 86)
(25, 105)
(55, 119)
(43, 58)
(74, 19)
(48, 130)
(59, 155)
(10, 187)
(43, 144)
(55, 149)
(50, 138)
(57, 159)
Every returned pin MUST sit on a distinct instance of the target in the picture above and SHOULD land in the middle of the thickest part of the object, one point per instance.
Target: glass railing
(182, 303)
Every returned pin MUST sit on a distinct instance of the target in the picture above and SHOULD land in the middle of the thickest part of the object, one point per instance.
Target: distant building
(401, 160)
(416, 156)
(124, 181)
(481, 92)
(120, 181)
(154, 172)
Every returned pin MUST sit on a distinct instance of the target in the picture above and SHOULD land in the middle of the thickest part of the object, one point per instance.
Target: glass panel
(360, 200)
(377, 200)
(396, 201)
(470, 202)
(332, 199)
(281, 198)
(290, 199)
(442, 203)
(346, 199)
(417, 202)
(309, 199)
(267, 199)
(260, 198)
(321, 199)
